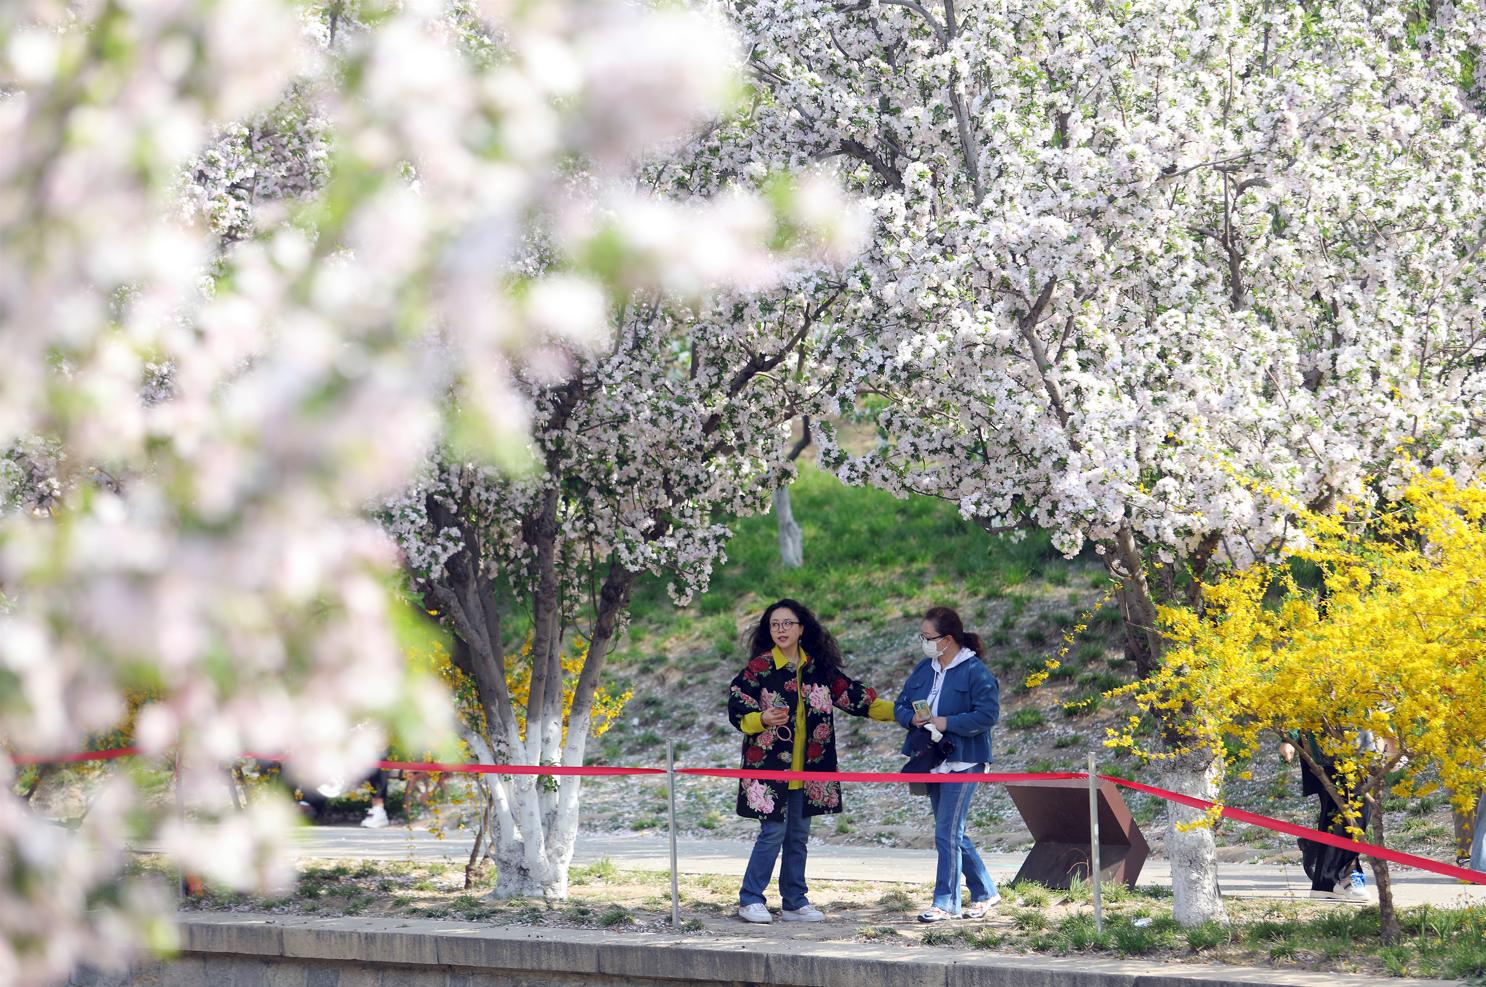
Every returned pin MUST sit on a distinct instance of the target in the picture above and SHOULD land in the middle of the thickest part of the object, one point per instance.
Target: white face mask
(931, 648)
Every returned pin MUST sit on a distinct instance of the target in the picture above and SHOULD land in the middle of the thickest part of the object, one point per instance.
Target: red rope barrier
(874, 777)
(517, 769)
(1315, 835)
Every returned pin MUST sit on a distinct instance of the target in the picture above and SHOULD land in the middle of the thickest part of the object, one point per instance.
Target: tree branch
(1028, 326)
(803, 442)
(856, 149)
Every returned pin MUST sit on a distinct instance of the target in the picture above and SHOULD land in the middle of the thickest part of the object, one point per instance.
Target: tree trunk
(45, 771)
(534, 820)
(1191, 843)
(475, 868)
(791, 538)
(1387, 914)
(523, 870)
(1143, 642)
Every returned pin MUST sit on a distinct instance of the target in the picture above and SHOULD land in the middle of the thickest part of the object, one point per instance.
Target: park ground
(1265, 931)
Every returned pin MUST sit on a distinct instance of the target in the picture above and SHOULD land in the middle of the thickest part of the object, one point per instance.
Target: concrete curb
(270, 950)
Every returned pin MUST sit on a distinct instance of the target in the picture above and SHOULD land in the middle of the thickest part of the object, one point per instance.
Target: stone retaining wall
(237, 950)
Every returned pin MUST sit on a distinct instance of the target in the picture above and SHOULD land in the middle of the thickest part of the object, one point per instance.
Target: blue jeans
(957, 855)
(793, 834)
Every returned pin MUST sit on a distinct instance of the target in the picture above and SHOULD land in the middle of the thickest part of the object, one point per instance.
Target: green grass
(867, 556)
(616, 916)
(600, 870)
(1082, 706)
(1102, 681)
(1207, 935)
(1024, 719)
(1029, 894)
(896, 900)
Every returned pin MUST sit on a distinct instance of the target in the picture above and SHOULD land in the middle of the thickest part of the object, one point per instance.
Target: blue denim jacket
(970, 703)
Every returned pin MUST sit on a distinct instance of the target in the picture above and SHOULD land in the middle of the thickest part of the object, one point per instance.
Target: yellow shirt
(881, 710)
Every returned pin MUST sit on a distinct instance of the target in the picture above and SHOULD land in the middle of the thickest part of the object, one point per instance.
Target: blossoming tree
(1124, 249)
(684, 417)
(242, 243)
(1379, 666)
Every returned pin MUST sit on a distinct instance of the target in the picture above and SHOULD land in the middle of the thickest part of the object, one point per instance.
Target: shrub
(1025, 719)
(1206, 936)
(602, 869)
(1081, 707)
(1030, 893)
(898, 901)
(616, 915)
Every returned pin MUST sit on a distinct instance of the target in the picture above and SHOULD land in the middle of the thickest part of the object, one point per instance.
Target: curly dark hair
(815, 639)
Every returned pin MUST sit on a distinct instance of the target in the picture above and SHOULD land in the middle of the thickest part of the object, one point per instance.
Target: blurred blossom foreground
(259, 261)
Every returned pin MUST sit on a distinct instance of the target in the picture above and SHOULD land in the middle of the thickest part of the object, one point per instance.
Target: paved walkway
(860, 863)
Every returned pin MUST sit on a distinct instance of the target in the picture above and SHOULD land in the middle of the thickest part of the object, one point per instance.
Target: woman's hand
(919, 719)
(775, 716)
(940, 723)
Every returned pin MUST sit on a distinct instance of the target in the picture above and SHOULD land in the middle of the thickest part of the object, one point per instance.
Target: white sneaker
(805, 913)
(756, 913)
(376, 818)
(1345, 892)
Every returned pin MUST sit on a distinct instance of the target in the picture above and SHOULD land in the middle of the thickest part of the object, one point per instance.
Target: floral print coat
(824, 691)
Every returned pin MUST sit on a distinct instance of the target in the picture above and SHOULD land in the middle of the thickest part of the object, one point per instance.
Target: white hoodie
(964, 655)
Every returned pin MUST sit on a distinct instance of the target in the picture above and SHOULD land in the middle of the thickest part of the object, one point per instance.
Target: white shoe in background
(805, 913)
(1345, 892)
(376, 818)
(755, 913)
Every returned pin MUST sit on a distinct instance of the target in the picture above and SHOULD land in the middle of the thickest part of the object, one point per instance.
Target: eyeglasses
(783, 625)
(929, 640)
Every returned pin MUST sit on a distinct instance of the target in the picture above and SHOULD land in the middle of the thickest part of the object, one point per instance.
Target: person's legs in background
(376, 816)
(1330, 868)
(1478, 835)
(1463, 821)
(983, 893)
(951, 807)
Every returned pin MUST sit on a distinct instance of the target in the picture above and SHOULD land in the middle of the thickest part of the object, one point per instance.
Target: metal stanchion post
(671, 799)
(1094, 874)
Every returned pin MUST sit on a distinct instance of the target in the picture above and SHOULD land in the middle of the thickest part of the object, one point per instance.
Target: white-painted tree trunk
(534, 819)
(1192, 849)
(791, 538)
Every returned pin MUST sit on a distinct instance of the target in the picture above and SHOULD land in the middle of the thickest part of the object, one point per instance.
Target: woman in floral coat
(784, 702)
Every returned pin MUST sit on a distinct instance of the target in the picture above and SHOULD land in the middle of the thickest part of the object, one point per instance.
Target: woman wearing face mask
(963, 702)
(783, 701)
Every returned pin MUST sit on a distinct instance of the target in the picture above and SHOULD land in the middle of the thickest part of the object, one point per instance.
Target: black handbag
(924, 755)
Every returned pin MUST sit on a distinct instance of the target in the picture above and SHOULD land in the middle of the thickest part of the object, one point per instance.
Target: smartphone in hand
(921, 707)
